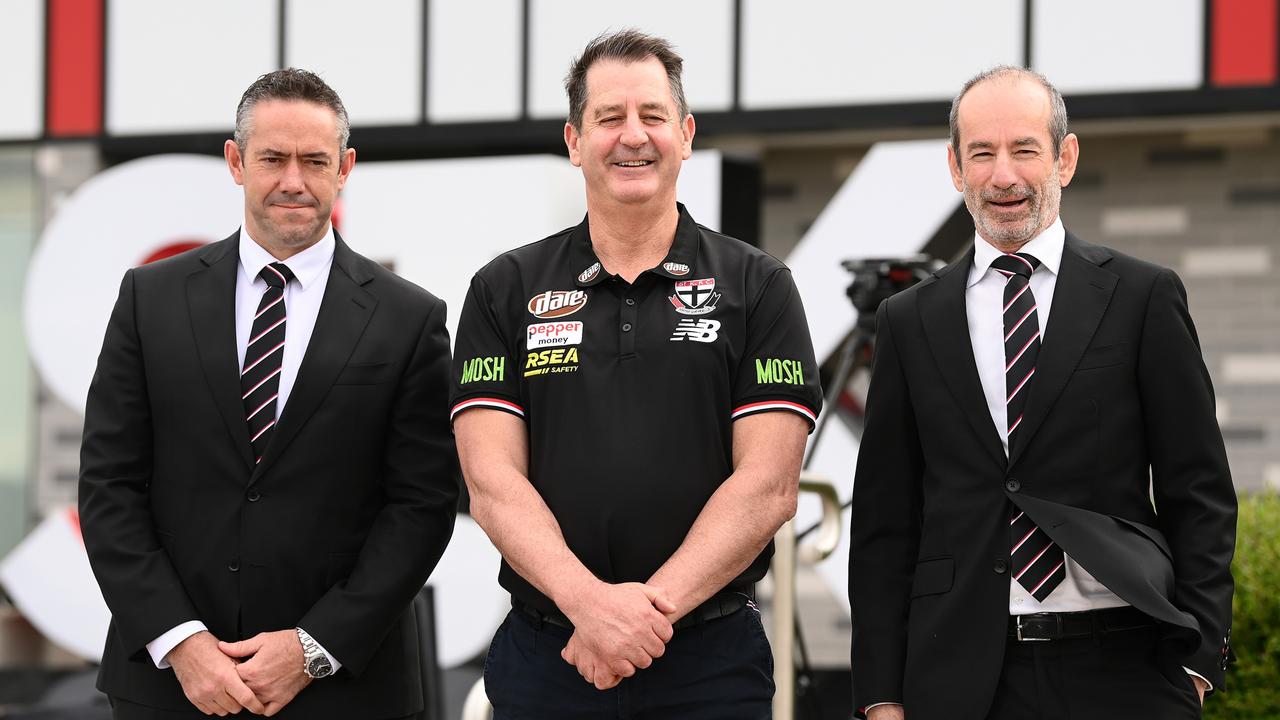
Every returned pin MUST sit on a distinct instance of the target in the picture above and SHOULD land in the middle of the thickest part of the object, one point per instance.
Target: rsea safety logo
(547, 362)
(557, 303)
(490, 369)
(777, 371)
(553, 334)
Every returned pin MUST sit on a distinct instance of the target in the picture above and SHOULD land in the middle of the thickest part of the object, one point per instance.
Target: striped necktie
(263, 359)
(1038, 563)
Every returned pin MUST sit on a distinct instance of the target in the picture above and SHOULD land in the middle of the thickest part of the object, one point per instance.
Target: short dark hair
(290, 84)
(1057, 107)
(629, 45)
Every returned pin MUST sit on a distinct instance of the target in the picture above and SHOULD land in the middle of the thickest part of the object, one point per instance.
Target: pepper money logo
(557, 303)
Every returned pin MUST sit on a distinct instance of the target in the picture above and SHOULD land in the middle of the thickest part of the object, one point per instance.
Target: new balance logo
(703, 331)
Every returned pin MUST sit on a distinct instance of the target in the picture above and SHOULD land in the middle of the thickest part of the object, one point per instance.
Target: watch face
(319, 667)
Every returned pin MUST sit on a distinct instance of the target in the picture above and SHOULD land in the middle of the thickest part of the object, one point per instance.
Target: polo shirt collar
(680, 262)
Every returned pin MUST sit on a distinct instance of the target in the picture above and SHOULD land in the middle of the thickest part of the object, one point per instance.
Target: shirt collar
(306, 265)
(1045, 247)
(680, 261)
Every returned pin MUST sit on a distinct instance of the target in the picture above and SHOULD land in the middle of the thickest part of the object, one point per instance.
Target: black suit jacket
(1121, 411)
(335, 530)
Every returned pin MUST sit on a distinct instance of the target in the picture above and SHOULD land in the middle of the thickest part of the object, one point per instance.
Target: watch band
(311, 652)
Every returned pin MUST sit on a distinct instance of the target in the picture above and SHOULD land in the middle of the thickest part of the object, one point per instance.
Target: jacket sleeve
(137, 578)
(1194, 497)
(420, 485)
(885, 532)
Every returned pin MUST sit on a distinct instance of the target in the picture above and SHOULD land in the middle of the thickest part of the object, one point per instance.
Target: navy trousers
(719, 670)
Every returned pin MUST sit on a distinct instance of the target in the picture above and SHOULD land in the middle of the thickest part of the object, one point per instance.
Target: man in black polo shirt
(631, 402)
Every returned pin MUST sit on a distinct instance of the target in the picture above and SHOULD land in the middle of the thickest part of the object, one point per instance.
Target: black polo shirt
(630, 390)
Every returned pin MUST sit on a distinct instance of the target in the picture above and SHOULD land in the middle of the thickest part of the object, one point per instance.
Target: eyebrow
(269, 151)
(1028, 141)
(616, 108)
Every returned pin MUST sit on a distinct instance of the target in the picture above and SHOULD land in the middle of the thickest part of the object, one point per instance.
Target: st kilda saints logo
(695, 297)
(557, 303)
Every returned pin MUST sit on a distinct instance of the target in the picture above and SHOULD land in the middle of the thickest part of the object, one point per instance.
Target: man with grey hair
(631, 400)
(267, 475)
(1043, 518)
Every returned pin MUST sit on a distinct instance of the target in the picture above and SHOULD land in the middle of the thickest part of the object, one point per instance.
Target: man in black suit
(270, 565)
(1043, 514)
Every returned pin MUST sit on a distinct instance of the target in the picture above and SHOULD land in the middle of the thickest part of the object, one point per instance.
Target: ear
(1068, 158)
(235, 163)
(344, 166)
(571, 138)
(687, 129)
(953, 164)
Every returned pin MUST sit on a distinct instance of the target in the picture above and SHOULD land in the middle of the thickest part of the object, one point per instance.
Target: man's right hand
(209, 678)
(623, 626)
(888, 711)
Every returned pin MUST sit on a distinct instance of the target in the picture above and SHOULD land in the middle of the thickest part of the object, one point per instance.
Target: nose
(1002, 174)
(634, 134)
(291, 177)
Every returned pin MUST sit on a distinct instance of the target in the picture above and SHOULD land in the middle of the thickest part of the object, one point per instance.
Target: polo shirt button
(1012, 485)
(626, 327)
(631, 301)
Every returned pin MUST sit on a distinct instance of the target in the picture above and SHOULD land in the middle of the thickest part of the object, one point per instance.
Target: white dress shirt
(302, 298)
(984, 304)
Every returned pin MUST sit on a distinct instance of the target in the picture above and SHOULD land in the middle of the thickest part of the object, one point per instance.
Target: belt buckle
(1057, 621)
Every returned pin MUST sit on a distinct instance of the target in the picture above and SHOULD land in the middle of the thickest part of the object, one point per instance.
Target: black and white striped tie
(1038, 563)
(263, 359)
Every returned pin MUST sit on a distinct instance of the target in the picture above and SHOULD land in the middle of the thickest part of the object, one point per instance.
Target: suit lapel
(211, 302)
(1080, 298)
(344, 313)
(946, 325)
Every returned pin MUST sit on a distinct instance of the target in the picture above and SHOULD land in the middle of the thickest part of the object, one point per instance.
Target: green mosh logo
(778, 371)
(484, 368)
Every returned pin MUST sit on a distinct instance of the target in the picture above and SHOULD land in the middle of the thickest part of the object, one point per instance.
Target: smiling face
(1011, 181)
(291, 171)
(632, 139)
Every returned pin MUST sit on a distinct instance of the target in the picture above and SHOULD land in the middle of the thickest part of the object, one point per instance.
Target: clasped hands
(618, 629)
(261, 674)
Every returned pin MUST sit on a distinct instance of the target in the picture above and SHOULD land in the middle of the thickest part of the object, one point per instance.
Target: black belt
(1064, 626)
(722, 604)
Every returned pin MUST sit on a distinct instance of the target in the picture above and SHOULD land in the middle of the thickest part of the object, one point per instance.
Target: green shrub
(1253, 683)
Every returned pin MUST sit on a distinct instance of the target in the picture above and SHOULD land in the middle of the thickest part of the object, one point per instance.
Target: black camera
(876, 279)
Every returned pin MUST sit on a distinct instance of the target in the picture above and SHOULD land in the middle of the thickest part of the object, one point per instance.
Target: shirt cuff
(1208, 686)
(160, 647)
(867, 709)
(333, 661)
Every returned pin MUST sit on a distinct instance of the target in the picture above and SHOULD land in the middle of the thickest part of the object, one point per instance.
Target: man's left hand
(273, 670)
(591, 668)
(1201, 687)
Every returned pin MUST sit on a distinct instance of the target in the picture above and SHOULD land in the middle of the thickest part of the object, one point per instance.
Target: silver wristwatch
(314, 662)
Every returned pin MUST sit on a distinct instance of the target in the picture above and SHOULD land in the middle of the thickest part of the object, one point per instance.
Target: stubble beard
(1042, 205)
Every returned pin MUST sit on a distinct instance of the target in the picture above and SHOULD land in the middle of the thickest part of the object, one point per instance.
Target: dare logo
(557, 303)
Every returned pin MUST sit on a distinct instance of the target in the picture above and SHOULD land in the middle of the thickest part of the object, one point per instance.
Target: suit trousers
(1117, 675)
(125, 710)
(719, 670)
